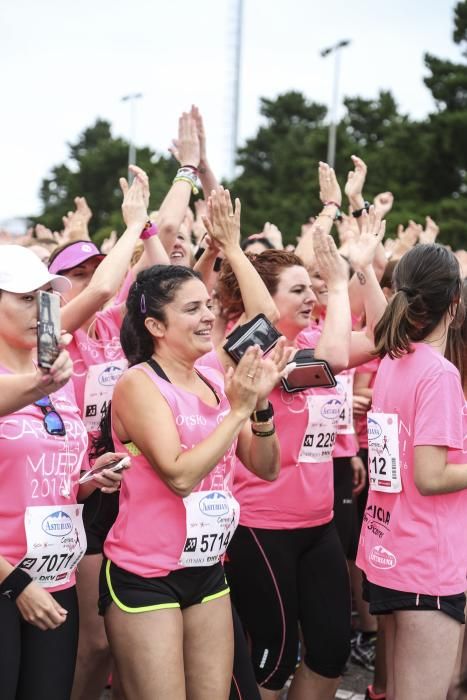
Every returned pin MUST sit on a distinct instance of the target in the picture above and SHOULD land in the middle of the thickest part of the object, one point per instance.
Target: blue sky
(65, 64)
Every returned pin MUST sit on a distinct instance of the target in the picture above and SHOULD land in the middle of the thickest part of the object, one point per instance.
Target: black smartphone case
(258, 331)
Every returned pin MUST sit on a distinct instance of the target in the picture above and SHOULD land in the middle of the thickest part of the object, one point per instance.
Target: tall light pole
(336, 50)
(238, 23)
(131, 98)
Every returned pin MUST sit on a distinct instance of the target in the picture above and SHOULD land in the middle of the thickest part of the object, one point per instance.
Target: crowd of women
(225, 559)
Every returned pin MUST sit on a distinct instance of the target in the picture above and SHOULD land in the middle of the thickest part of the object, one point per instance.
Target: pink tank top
(104, 347)
(36, 468)
(303, 494)
(360, 421)
(149, 534)
(411, 542)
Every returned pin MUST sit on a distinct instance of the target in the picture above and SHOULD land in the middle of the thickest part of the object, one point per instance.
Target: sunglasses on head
(53, 422)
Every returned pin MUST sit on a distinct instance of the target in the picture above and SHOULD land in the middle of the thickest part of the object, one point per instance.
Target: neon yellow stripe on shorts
(226, 591)
(126, 608)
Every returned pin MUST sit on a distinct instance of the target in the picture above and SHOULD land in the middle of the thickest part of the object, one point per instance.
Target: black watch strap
(264, 415)
(358, 212)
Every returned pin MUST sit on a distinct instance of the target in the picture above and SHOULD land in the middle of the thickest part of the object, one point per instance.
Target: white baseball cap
(21, 271)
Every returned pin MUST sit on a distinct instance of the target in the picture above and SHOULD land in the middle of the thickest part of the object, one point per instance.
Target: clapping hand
(223, 222)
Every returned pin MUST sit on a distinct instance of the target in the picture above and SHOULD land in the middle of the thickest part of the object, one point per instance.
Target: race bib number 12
(383, 452)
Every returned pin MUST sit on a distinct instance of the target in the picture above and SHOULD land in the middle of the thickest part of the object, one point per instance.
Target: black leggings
(344, 511)
(243, 685)
(280, 579)
(38, 665)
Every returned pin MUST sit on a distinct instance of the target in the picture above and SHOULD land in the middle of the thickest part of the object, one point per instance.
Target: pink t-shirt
(103, 347)
(36, 466)
(346, 444)
(150, 531)
(411, 542)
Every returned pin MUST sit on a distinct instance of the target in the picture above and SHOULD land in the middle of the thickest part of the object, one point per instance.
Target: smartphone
(309, 374)
(258, 331)
(48, 329)
(115, 466)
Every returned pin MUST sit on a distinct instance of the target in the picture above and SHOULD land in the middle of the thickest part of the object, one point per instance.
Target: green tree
(96, 162)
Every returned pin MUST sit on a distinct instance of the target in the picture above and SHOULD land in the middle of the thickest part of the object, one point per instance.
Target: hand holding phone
(308, 373)
(258, 331)
(115, 465)
(48, 329)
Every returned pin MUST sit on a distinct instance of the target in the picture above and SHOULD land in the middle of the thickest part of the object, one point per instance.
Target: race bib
(100, 383)
(320, 434)
(344, 390)
(56, 542)
(211, 520)
(383, 452)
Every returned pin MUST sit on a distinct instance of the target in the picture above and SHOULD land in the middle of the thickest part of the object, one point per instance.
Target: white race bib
(211, 519)
(320, 434)
(100, 383)
(383, 452)
(56, 542)
(344, 390)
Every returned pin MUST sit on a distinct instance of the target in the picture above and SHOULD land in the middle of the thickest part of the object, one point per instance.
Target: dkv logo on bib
(382, 558)
(57, 524)
(110, 375)
(214, 504)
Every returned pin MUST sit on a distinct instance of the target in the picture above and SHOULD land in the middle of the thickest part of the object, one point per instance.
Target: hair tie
(142, 303)
(408, 291)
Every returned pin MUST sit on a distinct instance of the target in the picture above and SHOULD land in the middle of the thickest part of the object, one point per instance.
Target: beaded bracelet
(187, 176)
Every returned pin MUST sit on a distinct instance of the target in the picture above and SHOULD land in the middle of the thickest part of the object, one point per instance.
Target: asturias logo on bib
(110, 375)
(214, 504)
(331, 409)
(382, 558)
(57, 524)
(374, 429)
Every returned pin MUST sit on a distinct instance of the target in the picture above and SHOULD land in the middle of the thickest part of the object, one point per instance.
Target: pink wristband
(149, 231)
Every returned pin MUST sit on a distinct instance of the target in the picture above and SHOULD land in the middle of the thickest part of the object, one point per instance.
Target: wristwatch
(263, 416)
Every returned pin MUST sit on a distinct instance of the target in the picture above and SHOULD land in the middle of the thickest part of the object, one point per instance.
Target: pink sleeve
(438, 411)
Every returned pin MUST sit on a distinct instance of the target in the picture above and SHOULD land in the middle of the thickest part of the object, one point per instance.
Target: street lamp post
(131, 98)
(331, 157)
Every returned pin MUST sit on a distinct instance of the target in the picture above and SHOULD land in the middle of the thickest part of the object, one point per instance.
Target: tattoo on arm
(361, 277)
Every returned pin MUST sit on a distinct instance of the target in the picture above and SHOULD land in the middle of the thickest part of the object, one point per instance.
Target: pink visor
(74, 255)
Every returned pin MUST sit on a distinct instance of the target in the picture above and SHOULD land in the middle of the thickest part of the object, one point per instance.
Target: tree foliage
(424, 163)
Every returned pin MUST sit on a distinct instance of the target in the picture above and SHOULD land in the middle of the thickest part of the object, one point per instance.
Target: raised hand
(139, 173)
(134, 207)
(108, 243)
(272, 233)
(274, 366)
(383, 203)
(41, 232)
(355, 182)
(331, 266)
(361, 251)
(223, 222)
(198, 119)
(329, 189)
(241, 383)
(430, 233)
(186, 147)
